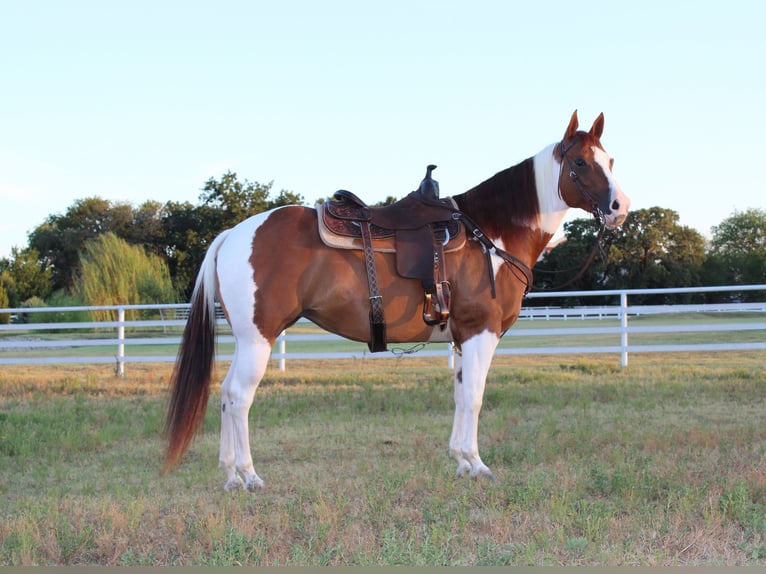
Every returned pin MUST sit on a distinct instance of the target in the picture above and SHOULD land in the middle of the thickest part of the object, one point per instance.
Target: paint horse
(273, 268)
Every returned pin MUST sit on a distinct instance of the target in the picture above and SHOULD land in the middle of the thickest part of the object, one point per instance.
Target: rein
(597, 248)
(521, 270)
(597, 214)
(514, 263)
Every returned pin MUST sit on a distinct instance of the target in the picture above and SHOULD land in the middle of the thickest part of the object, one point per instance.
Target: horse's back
(274, 268)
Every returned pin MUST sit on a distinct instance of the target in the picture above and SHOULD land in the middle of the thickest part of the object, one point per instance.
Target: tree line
(653, 250)
(100, 252)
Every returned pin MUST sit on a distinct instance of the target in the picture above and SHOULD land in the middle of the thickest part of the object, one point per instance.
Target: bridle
(520, 269)
(595, 209)
(597, 214)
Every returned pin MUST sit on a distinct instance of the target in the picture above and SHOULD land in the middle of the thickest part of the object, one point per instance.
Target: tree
(740, 233)
(146, 226)
(24, 276)
(738, 252)
(112, 272)
(60, 238)
(179, 233)
(651, 249)
(559, 268)
(229, 201)
(189, 230)
(5, 318)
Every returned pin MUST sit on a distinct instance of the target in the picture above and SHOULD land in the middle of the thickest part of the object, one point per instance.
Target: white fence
(156, 339)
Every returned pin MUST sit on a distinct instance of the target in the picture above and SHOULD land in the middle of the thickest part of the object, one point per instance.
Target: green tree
(228, 201)
(60, 238)
(738, 252)
(146, 226)
(741, 233)
(188, 230)
(112, 272)
(5, 318)
(563, 267)
(179, 233)
(650, 250)
(25, 275)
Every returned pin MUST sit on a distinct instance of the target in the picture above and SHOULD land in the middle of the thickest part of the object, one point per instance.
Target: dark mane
(507, 198)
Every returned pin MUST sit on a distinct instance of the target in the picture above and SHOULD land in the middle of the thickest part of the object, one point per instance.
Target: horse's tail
(190, 382)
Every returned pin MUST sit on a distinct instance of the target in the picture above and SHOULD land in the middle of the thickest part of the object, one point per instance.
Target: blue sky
(147, 100)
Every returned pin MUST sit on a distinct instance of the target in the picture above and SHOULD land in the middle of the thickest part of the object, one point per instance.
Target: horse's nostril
(615, 205)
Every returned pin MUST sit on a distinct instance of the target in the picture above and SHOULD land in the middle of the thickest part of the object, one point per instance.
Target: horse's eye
(580, 162)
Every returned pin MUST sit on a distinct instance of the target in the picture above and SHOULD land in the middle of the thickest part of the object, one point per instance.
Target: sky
(132, 101)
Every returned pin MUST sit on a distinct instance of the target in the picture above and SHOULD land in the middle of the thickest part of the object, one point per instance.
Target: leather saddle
(420, 228)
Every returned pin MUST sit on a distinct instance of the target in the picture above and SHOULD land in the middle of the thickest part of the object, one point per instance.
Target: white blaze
(552, 206)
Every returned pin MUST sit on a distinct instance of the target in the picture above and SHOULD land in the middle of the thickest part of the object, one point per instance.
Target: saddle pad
(384, 244)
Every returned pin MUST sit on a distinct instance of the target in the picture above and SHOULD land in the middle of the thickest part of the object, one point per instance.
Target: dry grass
(661, 464)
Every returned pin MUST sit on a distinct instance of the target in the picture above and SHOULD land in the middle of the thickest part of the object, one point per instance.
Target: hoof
(233, 484)
(485, 472)
(463, 468)
(254, 484)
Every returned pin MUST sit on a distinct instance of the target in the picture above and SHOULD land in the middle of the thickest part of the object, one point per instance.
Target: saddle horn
(429, 187)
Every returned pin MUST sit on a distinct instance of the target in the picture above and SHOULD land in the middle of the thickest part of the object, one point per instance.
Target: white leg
(456, 438)
(237, 395)
(477, 353)
(226, 452)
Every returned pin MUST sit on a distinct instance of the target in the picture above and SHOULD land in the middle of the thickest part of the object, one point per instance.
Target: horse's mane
(507, 198)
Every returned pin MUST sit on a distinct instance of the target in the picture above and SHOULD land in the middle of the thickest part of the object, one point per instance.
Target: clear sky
(142, 100)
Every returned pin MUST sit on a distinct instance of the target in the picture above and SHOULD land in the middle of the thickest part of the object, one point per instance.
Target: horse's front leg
(470, 378)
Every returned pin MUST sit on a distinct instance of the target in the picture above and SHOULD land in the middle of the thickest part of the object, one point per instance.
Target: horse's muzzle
(615, 221)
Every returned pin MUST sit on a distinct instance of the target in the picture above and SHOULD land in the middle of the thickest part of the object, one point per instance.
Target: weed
(661, 463)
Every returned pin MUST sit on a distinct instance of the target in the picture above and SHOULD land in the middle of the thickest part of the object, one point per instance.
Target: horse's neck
(519, 204)
(552, 207)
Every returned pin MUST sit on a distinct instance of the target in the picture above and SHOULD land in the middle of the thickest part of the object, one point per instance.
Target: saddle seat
(341, 217)
(410, 228)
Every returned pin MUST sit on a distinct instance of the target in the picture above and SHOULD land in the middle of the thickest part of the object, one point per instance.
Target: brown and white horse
(273, 268)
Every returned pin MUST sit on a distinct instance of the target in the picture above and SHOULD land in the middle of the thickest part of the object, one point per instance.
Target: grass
(663, 463)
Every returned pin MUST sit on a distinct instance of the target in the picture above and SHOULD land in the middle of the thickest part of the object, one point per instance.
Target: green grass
(661, 463)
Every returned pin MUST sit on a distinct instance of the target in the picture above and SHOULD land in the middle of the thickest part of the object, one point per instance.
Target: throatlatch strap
(377, 341)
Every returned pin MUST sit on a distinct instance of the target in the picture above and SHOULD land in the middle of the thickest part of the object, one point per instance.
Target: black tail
(190, 383)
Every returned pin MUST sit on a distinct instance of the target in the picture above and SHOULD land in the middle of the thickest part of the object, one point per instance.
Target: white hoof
(482, 470)
(233, 484)
(254, 483)
(463, 468)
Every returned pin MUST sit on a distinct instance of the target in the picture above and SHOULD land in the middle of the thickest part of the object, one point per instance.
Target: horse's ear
(598, 126)
(573, 125)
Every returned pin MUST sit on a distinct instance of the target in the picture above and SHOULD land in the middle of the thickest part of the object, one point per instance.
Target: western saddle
(418, 228)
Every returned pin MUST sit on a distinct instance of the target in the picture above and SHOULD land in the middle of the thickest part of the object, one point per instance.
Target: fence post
(282, 348)
(624, 328)
(121, 342)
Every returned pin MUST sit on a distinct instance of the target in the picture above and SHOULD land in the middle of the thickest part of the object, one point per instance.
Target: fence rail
(155, 337)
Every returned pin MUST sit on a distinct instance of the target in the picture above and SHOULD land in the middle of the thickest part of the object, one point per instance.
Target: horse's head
(586, 179)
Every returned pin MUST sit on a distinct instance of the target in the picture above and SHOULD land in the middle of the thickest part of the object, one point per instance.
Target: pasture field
(661, 463)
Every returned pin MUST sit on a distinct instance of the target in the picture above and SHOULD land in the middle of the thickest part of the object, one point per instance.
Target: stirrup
(436, 309)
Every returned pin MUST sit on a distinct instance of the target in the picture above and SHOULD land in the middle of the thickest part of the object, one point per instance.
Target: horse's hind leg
(237, 393)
